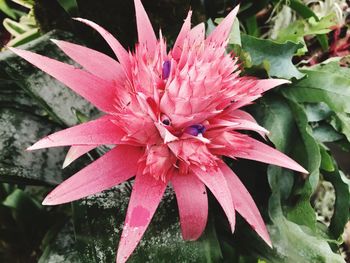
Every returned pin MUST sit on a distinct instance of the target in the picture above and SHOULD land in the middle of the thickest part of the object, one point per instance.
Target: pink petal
(96, 132)
(242, 114)
(197, 34)
(98, 91)
(251, 121)
(117, 48)
(263, 85)
(159, 161)
(144, 27)
(244, 203)
(252, 126)
(216, 182)
(113, 168)
(166, 135)
(145, 197)
(192, 201)
(239, 124)
(186, 27)
(221, 33)
(75, 152)
(244, 102)
(261, 152)
(93, 61)
(248, 122)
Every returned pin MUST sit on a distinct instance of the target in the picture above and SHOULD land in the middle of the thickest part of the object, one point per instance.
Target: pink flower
(172, 116)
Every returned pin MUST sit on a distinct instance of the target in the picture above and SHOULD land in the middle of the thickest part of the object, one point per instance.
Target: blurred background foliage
(305, 41)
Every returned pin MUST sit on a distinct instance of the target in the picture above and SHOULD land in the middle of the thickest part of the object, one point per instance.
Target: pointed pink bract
(93, 61)
(115, 167)
(178, 46)
(75, 152)
(267, 84)
(192, 201)
(96, 132)
(145, 198)
(197, 34)
(96, 90)
(117, 48)
(221, 33)
(261, 152)
(244, 203)
(216, 182)
(144, 28)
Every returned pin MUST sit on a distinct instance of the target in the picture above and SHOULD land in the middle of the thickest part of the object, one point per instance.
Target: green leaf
(24, 38)
(19, 128)
(276, 56)
(323, 40)
(25, 211)
(13, 27)
(326, 133)
(31, 102)
(302, 9)
(62, 246)
(317, 111)
(320, 86)
(312, 159)
(341, 122)
(311, 26)
(293, 227)
(321, 26)
(293, 243)
(252, 26)
(342, 203)
(300, 28)
(70, 6)
(55, 98)
(26, 3)
(7, 10)
(290, 132)
(326, 83)
(274, 113)
(326, 159)
(333, 65)
(20, 201)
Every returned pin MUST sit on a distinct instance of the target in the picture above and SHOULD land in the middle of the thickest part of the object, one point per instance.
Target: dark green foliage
(118, 17)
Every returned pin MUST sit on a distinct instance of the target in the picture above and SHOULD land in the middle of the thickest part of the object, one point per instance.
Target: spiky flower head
(172, 116)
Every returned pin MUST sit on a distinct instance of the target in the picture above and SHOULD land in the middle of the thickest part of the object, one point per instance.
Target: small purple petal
(166, 69)
(191, 130)
(195, 129)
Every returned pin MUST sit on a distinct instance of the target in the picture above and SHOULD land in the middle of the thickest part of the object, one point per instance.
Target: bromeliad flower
(172, 116)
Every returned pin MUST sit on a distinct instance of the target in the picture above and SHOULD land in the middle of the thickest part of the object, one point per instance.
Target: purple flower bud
(165, 119)
(166, 69)
(195, 129)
